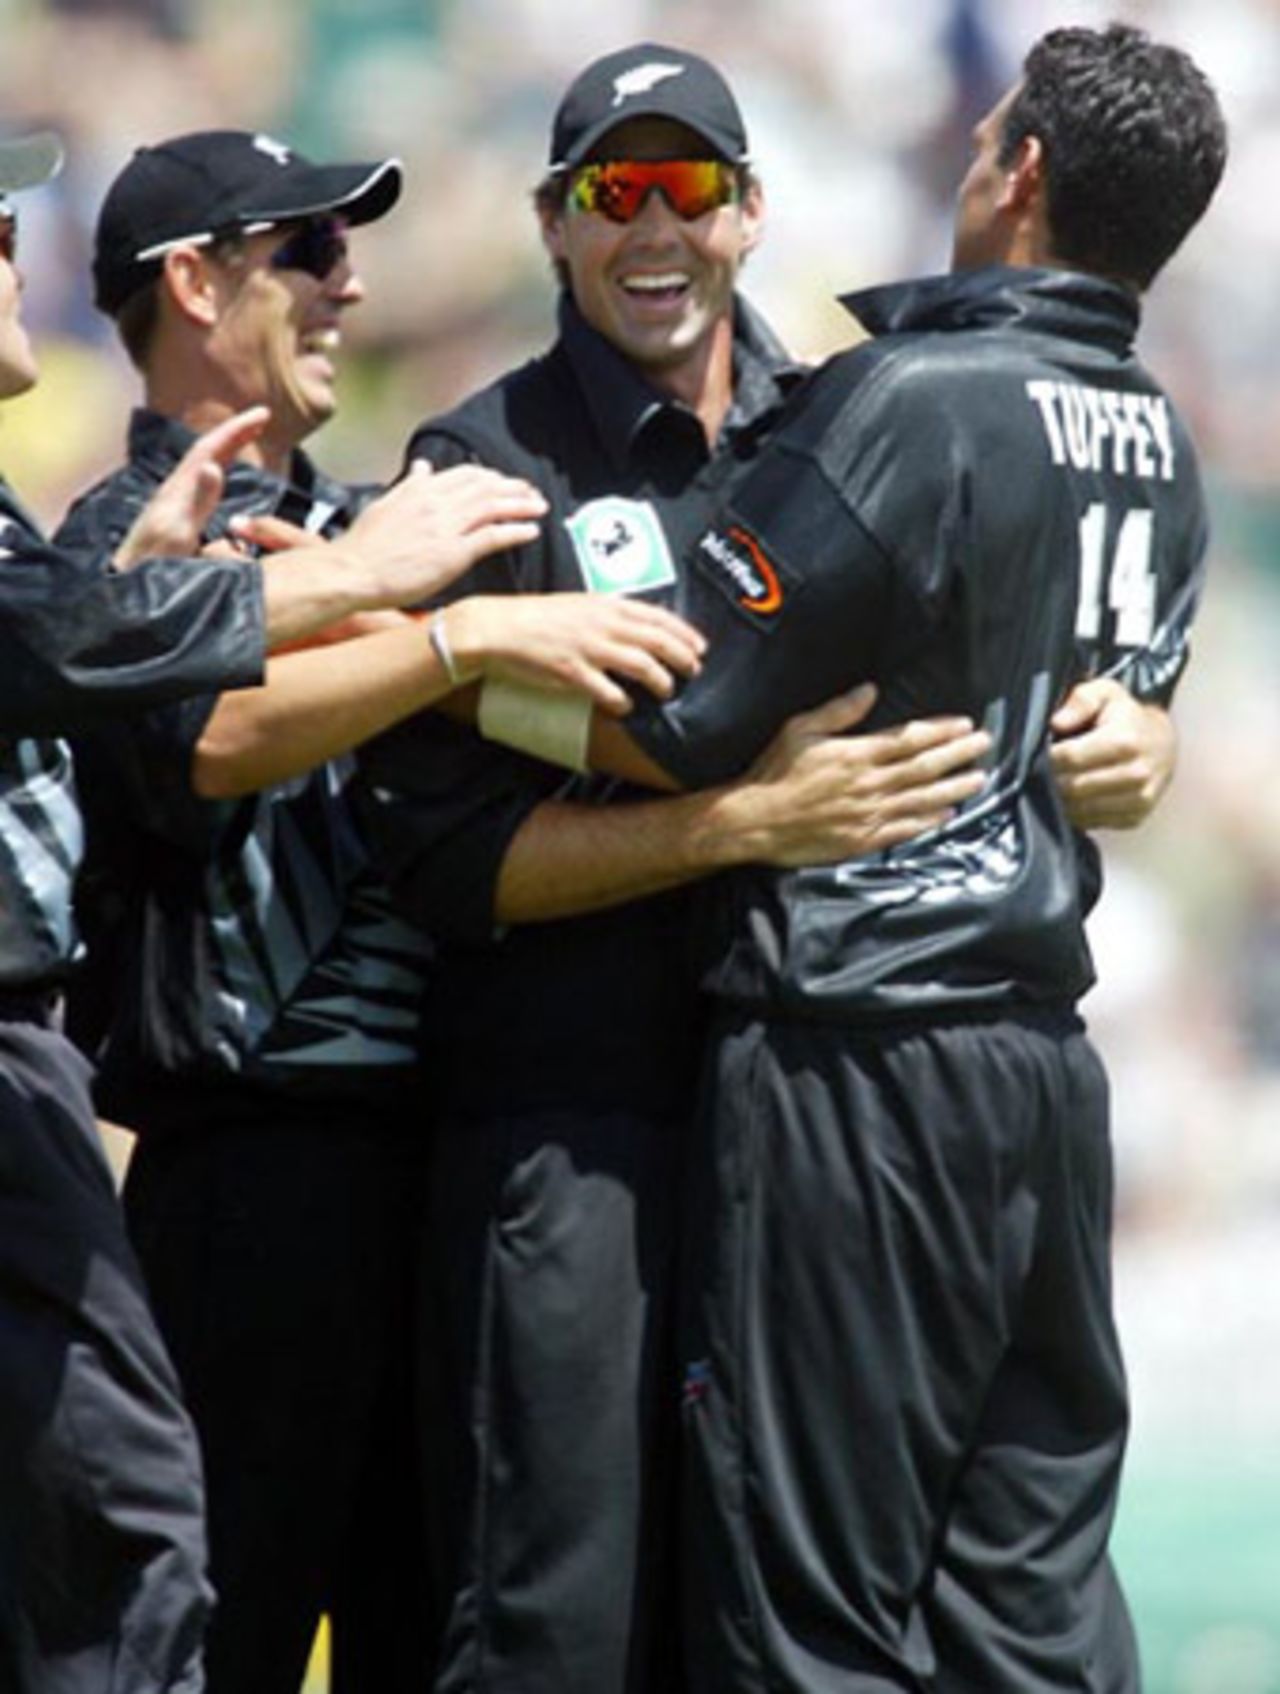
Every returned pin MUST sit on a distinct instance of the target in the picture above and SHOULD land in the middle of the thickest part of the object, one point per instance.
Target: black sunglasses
(8, 234)
(315, 247)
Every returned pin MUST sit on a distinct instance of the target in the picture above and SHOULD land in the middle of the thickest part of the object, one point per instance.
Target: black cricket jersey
(598, 1010)
(986, 503)
(78, 643)
(245, 944)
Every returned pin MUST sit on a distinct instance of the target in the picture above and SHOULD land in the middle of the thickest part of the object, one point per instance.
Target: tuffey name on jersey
(1096, 429)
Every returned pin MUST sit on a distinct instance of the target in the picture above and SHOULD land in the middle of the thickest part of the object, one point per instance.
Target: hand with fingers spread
(430, 528)
(172, 523)
(1113, 755)
(270, 534)
(580, 642)
(404, 547)
(817, 794)
(422, 534)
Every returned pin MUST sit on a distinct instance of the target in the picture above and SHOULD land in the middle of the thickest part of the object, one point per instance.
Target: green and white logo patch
(620, 546)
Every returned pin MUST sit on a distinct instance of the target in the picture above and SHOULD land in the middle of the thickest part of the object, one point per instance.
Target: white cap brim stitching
(267, 217)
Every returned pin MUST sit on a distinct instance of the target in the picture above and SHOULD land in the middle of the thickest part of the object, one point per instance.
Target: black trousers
(281, 1262)
(550, 1380)
(102, 1554)
(904, 1395)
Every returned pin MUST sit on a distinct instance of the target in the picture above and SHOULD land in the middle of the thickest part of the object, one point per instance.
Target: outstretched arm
(817, 795)
(403, 548)
(322, 702)
(424, 533)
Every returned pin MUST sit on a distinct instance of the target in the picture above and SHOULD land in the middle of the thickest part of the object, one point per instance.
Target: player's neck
(704, 380)
(268, 452)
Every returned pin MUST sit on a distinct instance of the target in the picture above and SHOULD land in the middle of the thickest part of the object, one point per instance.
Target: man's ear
(752, 212)
(1024, 178)
(551, 227)
(188, 280)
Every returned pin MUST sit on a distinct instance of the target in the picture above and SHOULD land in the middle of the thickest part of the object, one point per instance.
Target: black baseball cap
(647, 81)
(215, 182)
(28, 160)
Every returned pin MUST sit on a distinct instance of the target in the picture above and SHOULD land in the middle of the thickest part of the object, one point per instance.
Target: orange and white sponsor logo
(739, 556)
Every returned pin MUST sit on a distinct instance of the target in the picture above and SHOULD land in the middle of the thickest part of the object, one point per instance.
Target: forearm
(316, 705)
(308, 589)
(322, 702)
(567, 859)
(818, 795)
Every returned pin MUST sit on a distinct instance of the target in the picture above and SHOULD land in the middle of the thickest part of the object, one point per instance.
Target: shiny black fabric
(101, 1530)
(242, 950)
(596, 1011)
(565, 1056)
(78, 644)
(921, 518)
(77, 640)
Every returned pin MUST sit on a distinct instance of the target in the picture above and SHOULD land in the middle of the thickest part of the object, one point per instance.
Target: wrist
(457, 635)
(456, 666)
(346, 578)
(306, 590)
(720, 830)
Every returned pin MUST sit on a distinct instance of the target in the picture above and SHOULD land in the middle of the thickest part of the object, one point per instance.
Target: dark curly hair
(1134, 145)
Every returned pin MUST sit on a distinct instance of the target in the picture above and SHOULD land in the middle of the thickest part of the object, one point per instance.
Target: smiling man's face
(660, 287)
(279, 332)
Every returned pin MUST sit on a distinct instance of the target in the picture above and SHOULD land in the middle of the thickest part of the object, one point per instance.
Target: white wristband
(544, 722)
(438, 636)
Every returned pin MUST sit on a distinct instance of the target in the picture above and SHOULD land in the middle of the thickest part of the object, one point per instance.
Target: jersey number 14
(1119, 579)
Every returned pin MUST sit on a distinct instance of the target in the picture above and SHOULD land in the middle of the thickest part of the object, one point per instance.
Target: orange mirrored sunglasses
(618, 188)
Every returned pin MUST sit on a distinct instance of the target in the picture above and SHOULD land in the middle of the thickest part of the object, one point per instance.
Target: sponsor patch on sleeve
(736, 561)
(621, 546)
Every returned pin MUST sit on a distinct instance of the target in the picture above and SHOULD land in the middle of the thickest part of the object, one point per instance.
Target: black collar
(1048, 302)
(626, 409)
(157, 442)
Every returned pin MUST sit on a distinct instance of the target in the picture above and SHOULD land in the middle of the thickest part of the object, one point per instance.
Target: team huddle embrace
(589, 938)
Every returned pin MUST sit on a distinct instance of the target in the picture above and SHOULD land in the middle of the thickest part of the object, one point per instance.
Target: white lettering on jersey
(1123, 582)
(735, 564)
(1094, 429)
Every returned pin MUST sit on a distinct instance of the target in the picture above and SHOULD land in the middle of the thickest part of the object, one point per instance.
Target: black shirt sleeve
(144, 760)
(831, 562)
(1152, 673)
(440, 808)
(165, 629)
(77, 640)
(792, 592)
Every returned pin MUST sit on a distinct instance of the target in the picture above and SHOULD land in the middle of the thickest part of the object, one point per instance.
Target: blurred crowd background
(859, 115)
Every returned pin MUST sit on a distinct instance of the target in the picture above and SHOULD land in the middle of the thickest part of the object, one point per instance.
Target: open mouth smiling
(660, 287)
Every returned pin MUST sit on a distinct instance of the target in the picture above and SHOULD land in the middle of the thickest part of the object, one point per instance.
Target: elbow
(512, 906)
(216, 772)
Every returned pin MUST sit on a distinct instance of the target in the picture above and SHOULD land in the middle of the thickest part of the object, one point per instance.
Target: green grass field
(1198, 1547)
